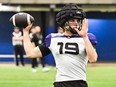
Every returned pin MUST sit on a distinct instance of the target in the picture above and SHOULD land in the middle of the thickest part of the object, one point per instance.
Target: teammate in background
(60, 30)
(37, 39)
(17, 43)
(71, 50)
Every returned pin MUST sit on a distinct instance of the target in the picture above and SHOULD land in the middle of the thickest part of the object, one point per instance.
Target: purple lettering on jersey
(48, 40)
(92, 38)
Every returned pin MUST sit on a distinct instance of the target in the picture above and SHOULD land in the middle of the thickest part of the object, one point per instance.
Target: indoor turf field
(98, 75)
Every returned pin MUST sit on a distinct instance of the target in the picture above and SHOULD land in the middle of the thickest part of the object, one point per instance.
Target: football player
(71, 50)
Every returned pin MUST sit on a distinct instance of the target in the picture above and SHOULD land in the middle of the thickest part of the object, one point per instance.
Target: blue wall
(105, 31)
(5, 33)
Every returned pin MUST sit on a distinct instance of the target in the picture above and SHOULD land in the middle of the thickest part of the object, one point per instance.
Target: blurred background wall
(101, 15)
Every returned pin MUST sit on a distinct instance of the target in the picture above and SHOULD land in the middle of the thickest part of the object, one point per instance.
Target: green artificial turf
(12, 76)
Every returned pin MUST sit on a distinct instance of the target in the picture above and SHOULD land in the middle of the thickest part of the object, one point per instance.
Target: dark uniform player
(72, 50)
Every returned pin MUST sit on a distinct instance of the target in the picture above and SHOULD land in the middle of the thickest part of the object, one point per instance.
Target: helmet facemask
(70, 27)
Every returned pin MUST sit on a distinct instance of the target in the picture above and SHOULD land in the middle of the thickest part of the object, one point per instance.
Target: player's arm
(90, 50)
(33, 44)
(30, 49)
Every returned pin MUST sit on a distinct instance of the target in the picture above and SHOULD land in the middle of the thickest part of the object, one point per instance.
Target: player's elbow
(29, 55)
(93, 59)
(33, 55)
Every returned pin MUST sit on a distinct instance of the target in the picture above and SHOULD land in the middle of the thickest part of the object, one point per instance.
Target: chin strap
(69, 28)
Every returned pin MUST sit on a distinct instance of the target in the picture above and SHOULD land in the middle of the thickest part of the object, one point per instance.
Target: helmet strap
(69, 28)
(80, 25)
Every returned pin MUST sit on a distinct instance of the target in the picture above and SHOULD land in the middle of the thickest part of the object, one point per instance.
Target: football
(21, 19)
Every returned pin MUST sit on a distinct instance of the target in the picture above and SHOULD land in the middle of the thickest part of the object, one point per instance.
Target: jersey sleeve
(48, 40)
(92, 39)
(44, 48)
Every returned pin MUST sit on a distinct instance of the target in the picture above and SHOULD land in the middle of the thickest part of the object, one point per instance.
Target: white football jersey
(70, 56)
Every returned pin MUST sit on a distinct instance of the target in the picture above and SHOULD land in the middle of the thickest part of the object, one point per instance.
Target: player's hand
(28, 27)
(84, 30)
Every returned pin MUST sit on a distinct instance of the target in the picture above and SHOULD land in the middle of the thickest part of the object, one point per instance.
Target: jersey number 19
(70, 48)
